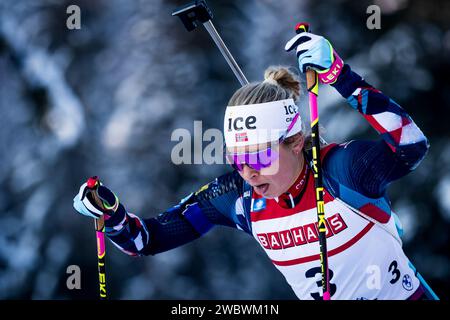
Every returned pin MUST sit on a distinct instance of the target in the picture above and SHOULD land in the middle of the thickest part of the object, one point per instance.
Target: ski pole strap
(331, 75)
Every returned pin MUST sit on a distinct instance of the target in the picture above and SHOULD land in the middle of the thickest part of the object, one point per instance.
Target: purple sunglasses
(259, 159)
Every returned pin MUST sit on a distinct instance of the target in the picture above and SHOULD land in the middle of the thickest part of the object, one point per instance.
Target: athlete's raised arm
(365, 166)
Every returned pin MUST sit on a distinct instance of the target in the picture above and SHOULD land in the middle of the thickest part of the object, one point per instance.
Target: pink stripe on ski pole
(100, 243)
(313, 109)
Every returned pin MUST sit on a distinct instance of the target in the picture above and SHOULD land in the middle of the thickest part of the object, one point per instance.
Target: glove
(95, 200)
(317, 53)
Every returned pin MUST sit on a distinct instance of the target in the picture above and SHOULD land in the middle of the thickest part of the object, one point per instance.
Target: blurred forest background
(105, 99)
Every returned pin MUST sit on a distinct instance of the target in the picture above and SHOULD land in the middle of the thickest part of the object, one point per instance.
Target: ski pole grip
(311, 75)
(311, 80)
(93, 183)
(302, 27)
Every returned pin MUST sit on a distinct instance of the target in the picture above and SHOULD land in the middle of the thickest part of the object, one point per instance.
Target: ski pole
(93, 184)
(198, 12)
(312, 84)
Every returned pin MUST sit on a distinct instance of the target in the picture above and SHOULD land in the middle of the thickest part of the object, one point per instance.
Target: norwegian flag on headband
(241, 137)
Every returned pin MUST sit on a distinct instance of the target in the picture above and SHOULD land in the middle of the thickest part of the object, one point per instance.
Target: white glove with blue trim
(315, 52)
(85, 201)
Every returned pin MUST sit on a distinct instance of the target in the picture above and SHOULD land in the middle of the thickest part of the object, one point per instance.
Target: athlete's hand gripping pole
(312, 84)
(198, 11)
(92, 184)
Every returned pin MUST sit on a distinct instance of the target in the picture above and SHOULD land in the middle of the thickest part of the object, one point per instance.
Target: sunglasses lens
(233, 160)
(255, 160)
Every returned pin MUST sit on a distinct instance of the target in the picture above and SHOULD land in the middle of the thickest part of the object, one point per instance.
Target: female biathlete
(270, 192)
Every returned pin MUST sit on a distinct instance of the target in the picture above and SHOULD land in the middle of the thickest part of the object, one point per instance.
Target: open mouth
(261, 188)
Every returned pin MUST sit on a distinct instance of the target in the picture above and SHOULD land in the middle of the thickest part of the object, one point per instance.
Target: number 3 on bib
(395, 272)
(311, 273)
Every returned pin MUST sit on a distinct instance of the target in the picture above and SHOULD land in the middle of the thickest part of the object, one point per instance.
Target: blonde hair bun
(285, 78)
(280, 83)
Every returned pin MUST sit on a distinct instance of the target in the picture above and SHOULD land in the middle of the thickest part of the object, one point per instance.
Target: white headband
(260, 123)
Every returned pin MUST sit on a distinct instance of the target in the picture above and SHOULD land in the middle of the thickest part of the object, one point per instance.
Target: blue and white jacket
(366, 260)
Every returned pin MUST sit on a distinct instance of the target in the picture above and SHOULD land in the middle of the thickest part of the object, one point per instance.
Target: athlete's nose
(249, 173)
